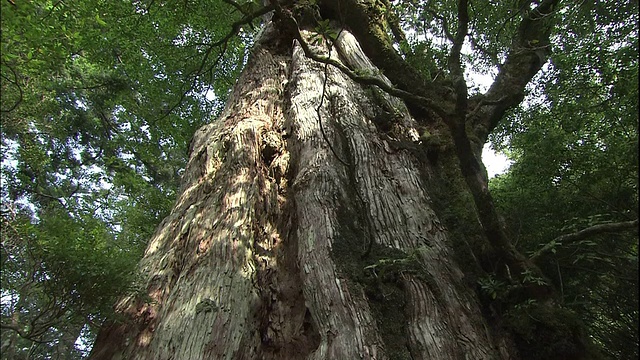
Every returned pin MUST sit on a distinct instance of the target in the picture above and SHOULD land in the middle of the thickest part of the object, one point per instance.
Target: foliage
(575, 147)
(430, 26)
(545, 334)
(58, 275)
(574, 143)
(99, 102)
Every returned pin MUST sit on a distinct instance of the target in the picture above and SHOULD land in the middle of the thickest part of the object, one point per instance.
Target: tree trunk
(66, 346)
(306, 229)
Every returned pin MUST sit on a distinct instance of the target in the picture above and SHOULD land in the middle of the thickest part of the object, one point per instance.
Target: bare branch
(585, 233)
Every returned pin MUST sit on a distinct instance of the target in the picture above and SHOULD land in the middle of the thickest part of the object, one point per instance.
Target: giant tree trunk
(305, 229)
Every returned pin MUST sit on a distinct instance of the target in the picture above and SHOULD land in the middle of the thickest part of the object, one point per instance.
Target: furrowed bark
(206, 271)
(306, 226)
(265, 253)
(379, 198)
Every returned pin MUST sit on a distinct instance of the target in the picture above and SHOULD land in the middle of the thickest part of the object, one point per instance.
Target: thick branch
(362, 20)
(411, 97)
(585, 233)
(394, 23)
(18, 331)
(455, 65)
(530, 51)
(475, 174)
(493, 226)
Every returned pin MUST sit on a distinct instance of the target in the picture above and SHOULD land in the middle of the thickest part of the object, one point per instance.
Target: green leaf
(100, 21)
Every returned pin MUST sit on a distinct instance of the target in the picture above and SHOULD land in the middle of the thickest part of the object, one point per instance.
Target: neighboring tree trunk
(66, 345)
(306, 229)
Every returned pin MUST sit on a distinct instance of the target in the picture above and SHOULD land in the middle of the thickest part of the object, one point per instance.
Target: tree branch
(445, 23)
(361, 19)
(223, 42)
(530, 51)
(18, 331)
(236, 5)
(454, 63)
(394, 23)
(16, 83)
(585, 233)
(463, 27)
(362, 79)
(493, 57)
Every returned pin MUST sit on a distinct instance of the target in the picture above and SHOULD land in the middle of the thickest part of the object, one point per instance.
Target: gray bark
(294, 241)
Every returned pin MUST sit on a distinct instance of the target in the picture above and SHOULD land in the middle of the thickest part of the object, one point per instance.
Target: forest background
(101, 98)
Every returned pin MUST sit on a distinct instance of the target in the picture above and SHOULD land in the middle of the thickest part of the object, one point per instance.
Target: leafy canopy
(99, 102)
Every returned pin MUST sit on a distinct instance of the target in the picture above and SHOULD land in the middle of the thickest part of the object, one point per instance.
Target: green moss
(546, 332)
(377, 275)
(387, 299)
(454, 206)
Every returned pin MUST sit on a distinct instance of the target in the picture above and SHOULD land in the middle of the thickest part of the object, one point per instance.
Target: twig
(485, 102)
(235, 29)
(445, 23)
(584, 233)
(14, 82)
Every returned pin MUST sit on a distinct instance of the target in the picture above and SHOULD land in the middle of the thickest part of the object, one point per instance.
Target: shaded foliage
(99, 102)
(575, 147)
